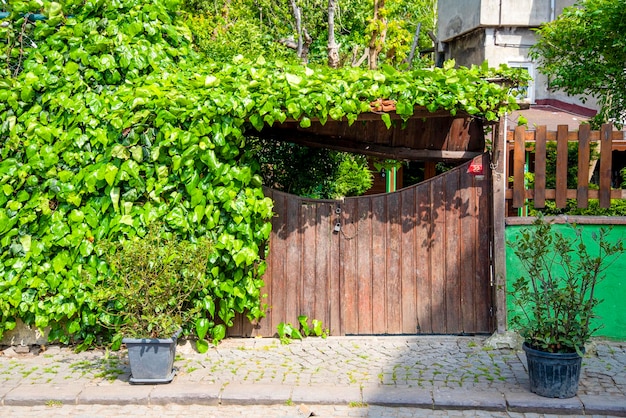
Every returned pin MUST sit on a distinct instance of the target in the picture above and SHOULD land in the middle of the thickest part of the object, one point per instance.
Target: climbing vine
(109, 122)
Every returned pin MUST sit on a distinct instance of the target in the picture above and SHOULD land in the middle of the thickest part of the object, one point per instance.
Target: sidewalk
(429, 372)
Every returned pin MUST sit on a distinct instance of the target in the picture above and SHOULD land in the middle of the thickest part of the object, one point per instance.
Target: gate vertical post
(498, 178)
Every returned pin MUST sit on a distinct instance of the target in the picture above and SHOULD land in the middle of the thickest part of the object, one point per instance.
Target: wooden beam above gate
(425, 136)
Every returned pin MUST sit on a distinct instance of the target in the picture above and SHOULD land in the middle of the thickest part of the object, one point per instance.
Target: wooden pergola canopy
(426, 136)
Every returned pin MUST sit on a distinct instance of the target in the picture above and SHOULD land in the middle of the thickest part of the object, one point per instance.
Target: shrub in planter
(556, 299)
(148, 297)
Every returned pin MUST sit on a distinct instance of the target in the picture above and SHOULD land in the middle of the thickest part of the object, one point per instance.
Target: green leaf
(257, 121)
(202, 326)
(202, 346)
(387, 119)
(305, 122)
(110, 172)
(219, 332)
(293, 79)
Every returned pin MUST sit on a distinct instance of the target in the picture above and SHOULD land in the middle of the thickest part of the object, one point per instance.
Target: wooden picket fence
(522, 141)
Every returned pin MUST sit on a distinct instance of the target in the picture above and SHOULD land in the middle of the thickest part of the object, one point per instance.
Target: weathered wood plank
(348, 266)
(606, 157)
(453, 236)
(468, 244)
(276, 287)
(379, 265)
(408, 260)
(308, 230)
(393, 280)
(483, 274)
(334, 274)
(362, 233)
(561, 166)
(423, 236)
(519, 160)
(438, 254)
(323, 244)
(584, 152)
(293, 262)
(540, 167)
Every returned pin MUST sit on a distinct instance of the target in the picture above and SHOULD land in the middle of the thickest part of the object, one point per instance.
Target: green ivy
(109, 122)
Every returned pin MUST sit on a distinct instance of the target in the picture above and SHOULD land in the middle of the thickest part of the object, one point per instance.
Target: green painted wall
(612, 311)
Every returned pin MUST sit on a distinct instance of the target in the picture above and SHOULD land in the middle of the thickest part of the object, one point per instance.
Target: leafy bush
(556, 292)
(150, 293)
(101, 136)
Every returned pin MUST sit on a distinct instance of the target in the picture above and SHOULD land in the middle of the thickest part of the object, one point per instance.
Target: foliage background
(583, 52)
(110, 121)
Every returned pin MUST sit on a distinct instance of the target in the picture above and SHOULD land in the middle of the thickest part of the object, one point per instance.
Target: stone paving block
(119, 394)
(186, 393)
(529, 402)
(254, 394)
(40, 394)
(326, 394)
(4, 389)
(394, 396)
(604, 405)
(468, 399)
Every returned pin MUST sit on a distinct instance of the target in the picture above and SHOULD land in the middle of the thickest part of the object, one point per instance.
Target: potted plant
(555, 300)
(147, 297)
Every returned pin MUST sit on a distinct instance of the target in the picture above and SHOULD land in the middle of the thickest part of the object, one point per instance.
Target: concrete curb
(276, 394)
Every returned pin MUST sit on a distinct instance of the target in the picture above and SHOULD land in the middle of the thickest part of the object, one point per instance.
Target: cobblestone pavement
(341, 376)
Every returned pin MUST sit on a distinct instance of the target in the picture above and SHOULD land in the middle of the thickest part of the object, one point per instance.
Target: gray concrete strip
(465, 399)
(186, 393)
(41, 394)
(604, 405)
(254, 394)
(529, 402)
(341, 395)
(116, 394)
(395, 396)
(4, 389)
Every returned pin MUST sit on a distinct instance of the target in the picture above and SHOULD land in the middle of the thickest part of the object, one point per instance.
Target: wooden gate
(416, 261)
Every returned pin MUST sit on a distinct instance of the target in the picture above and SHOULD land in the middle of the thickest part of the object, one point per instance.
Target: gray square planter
(151, 359)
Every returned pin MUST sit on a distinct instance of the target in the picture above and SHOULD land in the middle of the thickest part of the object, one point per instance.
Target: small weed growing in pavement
(472, 344)
(287, 332)
(289, 402)
(52, 403)
(357, 404)
(27, 373)
(51, 369)
(351, 377)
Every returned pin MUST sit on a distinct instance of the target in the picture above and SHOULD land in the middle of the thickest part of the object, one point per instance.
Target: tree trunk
(304, 39)
(297, 14)
(333, 47)
(416, 38)
(379, 33)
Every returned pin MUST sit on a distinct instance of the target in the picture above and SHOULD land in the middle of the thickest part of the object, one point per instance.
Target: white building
(501, 32)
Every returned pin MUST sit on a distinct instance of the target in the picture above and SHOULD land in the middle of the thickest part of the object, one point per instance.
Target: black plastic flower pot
(553, 375)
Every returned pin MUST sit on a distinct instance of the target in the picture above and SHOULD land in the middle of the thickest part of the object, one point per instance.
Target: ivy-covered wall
(111, 121)
(612, 290)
